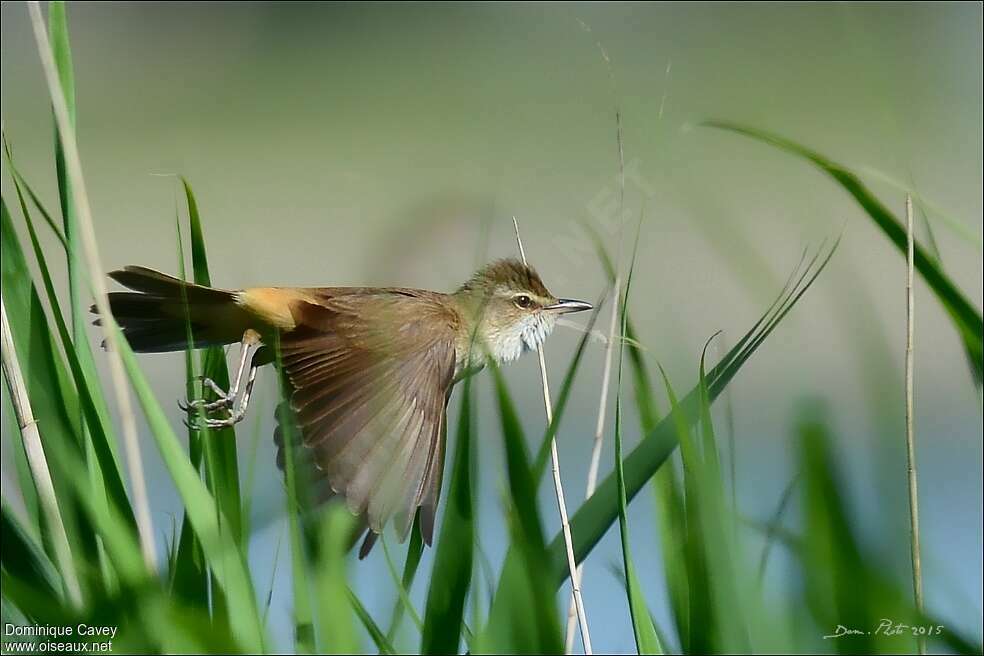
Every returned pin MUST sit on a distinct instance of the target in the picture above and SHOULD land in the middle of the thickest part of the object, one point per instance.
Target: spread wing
(371, 374)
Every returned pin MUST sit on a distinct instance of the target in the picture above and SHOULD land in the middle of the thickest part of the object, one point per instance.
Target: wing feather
(371, 375)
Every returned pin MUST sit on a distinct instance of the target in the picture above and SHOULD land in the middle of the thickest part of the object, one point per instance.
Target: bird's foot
(201, 411)
(229, 408)
(202, 421)
(225, 400)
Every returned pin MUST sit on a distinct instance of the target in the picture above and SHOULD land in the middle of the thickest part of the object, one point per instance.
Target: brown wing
(371, 374)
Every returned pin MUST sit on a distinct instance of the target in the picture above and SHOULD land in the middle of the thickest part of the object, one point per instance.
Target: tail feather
(162, 312)
(155, 283)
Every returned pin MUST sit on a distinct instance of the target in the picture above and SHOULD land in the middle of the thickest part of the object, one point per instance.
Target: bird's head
(512, 309)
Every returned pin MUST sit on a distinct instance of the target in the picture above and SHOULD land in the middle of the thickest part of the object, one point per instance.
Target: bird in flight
(369, 369)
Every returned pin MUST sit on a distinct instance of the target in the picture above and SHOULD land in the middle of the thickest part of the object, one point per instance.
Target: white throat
(507, 345)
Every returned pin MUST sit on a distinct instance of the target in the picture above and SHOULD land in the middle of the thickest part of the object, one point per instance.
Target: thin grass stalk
(558, 485)
(599, 438)
(37, 460)
(910, 437)
(80, 198)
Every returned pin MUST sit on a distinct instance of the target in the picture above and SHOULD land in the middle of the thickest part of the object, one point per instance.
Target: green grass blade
(77, 289)
(24, 557)
(965, 317)
(221, 453)
(103, 460)
(83, 510)
(451, 574)
(221, 550)
(774, 525)
(543, 452)
(700, 621)
(598, 513)
(379, 638)
(414, 550)
(335, 620)
(837, 587)
(35, 199)
(189, 577)
(647, 642)
(670, 514)
(644, 397)
(402, 594)
(300, 563)
(524, 614)
(49, 386)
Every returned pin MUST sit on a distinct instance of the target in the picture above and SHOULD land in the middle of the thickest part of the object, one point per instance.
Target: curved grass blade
(647, 641)
(593, 518)
(62, 52)
(221, 457)
(524, 614)
(84, 511)
(95, 444)
(220, 548)
(105, 470)
(598, 513)
(965, 317)
(23, 557)
(451, 575)
(699, 618)
(410, 564)
(49, 386)
(189, 577)
(837, 585)
(403, 595)
(334, 616)
(670, 513)
(382, 643)
(774, 525)
(543, 452)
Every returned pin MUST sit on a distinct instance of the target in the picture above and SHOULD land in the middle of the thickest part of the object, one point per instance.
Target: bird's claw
(204, 405)
(202, 422)
(199, 410)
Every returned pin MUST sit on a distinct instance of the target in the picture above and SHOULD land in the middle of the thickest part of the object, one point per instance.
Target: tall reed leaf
(597, 514)
(524, 615)
(966, 319)
(452, 571)
(221, 550)
(189, 576)
(670, 517)
(49, 386)
(335, 619)
(23, 558)
(82, 508)
(221, 459)
(543, 452)
(77, 287)
(414, 551)
(101, 457)
(643, 628)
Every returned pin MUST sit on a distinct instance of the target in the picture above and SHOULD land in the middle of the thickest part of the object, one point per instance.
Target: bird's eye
(523, 301)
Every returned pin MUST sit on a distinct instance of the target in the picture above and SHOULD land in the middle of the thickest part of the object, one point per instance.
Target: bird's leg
(227, 400)
(237, 414)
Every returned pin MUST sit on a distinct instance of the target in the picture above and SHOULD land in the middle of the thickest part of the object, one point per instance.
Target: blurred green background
(370, 144)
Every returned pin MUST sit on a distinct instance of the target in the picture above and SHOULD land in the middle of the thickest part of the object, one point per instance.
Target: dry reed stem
(73, 168)
(910, 437)
(558, 485)
(37, 460)
(598, 441)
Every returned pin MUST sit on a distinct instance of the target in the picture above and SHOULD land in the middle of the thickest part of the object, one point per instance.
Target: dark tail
(163, 313)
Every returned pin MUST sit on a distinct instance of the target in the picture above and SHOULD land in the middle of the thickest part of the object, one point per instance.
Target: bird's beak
(567, 305)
